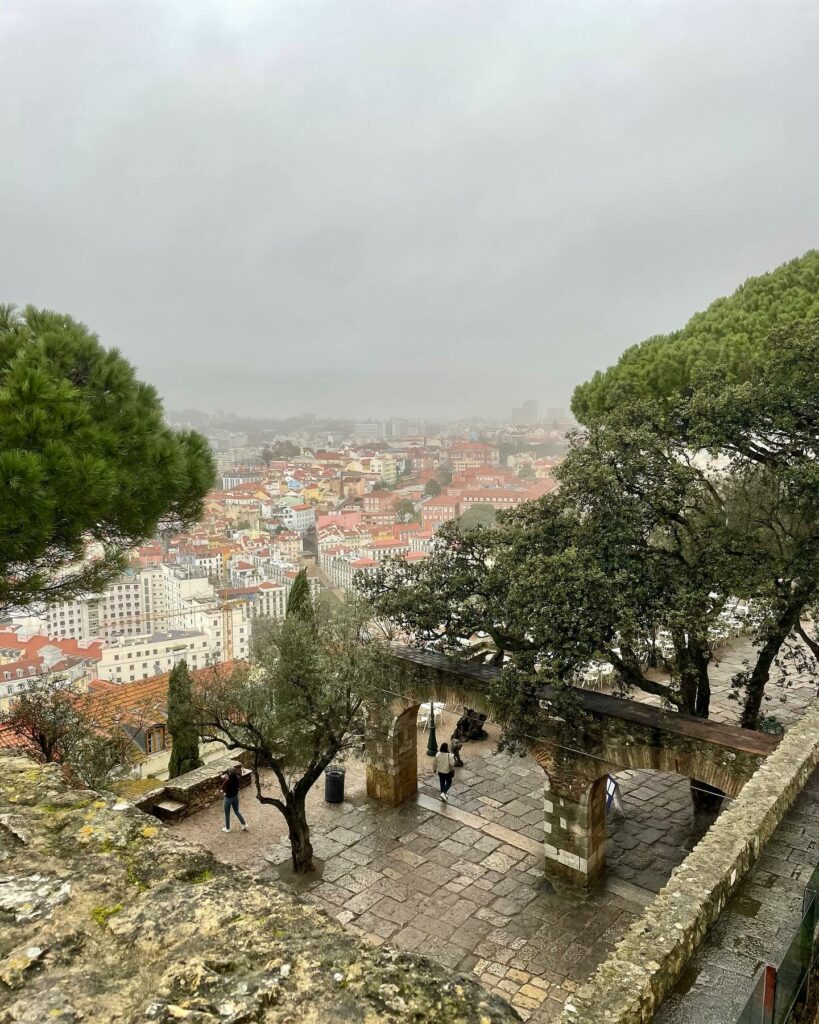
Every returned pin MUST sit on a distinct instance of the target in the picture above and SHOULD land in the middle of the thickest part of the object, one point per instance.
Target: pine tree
(299, 601)
(88, 466)
(181, 725)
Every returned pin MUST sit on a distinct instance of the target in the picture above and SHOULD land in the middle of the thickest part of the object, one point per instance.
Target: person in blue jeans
(230, 787)
(444, 765)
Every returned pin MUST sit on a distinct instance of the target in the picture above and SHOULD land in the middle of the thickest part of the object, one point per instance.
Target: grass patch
(132, 789)
(101, 914)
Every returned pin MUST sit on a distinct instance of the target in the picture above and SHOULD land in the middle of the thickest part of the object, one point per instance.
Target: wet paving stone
(464, 882)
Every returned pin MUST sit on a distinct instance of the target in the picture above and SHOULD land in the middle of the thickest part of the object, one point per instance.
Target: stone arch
(713, 765)
(617, 734)
(575, 796)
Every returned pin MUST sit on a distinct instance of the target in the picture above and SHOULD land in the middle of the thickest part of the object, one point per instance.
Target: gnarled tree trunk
(693, 658)
(755, 686)
(301, 849)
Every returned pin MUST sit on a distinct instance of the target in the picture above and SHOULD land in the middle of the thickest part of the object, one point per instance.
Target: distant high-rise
(369, 430)
(525, 415)
(405, 428)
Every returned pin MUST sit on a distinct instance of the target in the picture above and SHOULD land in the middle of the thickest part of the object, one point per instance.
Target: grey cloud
(393, 208)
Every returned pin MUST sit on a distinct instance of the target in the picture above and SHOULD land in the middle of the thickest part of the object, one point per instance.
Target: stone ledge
(630, 985)
(106, 916)
(194, 790)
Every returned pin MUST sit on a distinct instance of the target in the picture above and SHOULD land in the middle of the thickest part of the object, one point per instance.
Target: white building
(156, 598)
(118, 611)
(129, 658)
(299, 518)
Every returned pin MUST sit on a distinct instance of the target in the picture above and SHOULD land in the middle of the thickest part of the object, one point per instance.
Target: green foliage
(299, 704)
(730, 338)
(481, 514)
(202, 877)
(444, 474)
(278, 451)
(57, 722)
(181, 723)
(404, 509)
(432, 488)
(85, 459)
(299, 600)
(696, 482)
(304, 690)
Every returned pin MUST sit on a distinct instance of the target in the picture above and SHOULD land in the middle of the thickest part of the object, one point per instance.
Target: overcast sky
(398, 207)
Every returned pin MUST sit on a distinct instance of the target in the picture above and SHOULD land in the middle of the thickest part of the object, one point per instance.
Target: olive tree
(297, 706)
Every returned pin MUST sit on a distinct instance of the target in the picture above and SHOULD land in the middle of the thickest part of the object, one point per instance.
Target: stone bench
(189, 793)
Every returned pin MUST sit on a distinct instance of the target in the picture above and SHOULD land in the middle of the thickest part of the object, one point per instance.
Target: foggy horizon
(372, 210)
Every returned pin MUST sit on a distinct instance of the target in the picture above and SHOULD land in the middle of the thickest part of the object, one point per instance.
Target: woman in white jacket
(444, 764)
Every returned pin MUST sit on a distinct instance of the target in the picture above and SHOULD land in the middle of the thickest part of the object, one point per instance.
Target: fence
(780, 990)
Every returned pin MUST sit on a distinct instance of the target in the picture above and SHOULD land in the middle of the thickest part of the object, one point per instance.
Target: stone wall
(106, 916)
(631, 984)
(575, 841)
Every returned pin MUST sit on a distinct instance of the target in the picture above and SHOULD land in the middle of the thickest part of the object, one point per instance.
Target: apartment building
(471, 454)
(299, 518)
(126, 659)
(26, 658)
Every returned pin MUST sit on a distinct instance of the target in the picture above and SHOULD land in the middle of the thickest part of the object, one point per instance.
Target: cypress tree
(181, 726)
(299, 601)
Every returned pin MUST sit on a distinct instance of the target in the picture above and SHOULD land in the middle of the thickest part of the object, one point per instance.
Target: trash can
(334, 784)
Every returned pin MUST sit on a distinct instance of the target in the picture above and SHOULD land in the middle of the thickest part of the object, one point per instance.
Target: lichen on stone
(106, 916)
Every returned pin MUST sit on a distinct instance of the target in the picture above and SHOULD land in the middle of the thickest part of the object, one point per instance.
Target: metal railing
(780, 990)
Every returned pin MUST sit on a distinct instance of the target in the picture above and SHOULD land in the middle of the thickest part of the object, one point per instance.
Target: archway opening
(652, 825)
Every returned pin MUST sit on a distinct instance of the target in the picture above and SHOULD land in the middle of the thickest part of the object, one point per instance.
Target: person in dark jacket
(230, 787)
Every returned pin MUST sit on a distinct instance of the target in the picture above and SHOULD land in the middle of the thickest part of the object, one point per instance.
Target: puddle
(746, 906)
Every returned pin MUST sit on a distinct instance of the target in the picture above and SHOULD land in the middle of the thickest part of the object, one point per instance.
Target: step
(170, 810)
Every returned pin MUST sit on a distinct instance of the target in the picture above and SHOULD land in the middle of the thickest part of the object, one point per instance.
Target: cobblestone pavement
(463, 883)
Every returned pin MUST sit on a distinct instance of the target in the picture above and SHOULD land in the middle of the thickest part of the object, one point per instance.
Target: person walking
(230, 787)
(444, 764)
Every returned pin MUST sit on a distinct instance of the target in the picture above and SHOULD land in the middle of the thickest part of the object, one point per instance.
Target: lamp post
(432, 743)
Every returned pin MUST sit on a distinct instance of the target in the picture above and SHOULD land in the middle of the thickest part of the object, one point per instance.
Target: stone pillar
(575, 842)
(392, 757)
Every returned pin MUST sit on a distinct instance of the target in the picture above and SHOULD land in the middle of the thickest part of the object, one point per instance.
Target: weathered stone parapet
(107, 917)
(630, 985)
